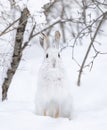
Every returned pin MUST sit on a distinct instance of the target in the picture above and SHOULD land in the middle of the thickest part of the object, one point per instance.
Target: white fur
(53, 93)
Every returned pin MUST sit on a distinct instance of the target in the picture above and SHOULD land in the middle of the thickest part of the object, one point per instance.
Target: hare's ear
(57, 39)
(44, 42)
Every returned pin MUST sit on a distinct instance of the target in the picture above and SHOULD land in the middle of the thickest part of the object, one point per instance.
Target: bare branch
(83, 30)
(6, 29)
(53, 24)
(89, 48)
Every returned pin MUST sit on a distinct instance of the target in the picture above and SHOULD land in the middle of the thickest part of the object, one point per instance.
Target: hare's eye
(46, 55)
(58, 55)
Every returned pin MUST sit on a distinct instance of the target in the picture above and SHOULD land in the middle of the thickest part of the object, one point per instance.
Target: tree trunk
(17, 53)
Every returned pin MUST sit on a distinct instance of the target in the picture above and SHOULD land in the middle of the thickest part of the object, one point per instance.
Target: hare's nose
(54, 63)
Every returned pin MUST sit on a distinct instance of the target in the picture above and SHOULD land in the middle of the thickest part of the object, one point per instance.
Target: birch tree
(17, 53)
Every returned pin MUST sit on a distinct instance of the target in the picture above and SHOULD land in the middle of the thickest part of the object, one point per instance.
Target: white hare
(53, 96)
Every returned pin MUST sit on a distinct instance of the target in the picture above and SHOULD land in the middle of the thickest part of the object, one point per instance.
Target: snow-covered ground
(89, 100)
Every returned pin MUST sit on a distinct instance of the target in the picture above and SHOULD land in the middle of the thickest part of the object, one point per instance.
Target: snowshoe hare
(53, 96)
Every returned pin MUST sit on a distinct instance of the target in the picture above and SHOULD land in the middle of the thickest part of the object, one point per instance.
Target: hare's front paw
(54, 114)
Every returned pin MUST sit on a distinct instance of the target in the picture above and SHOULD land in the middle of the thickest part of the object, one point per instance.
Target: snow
(89, 100)
(14, 116)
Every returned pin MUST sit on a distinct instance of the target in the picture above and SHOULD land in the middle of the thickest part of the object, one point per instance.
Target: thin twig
(89, 48)
(87, 27)
(5, 30)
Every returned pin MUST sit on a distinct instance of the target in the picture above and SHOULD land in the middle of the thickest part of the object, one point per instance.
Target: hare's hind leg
(57, 113)
(44, 113)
